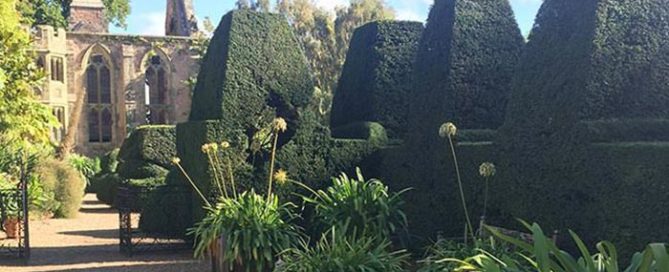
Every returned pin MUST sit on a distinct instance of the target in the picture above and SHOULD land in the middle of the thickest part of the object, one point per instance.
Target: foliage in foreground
(255, 229)
(544, 256)
(445, 249)
(336, 251)
(358, 206)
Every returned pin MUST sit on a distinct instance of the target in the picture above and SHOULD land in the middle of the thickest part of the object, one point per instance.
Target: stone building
(113, 83)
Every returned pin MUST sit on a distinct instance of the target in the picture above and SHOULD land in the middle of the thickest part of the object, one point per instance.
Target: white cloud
(153, 23)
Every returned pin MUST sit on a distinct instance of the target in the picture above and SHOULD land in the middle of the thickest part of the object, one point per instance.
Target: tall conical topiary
(590, 90)
(463, 71)
(375, 85)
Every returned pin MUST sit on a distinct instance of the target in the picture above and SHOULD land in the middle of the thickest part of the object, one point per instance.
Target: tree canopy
(56, 12)
(325, 36)
(22, 116)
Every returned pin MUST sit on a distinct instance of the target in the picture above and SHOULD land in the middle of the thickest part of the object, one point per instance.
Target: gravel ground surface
(90, 243)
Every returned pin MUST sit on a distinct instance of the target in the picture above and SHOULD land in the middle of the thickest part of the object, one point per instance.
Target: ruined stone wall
(128, 57)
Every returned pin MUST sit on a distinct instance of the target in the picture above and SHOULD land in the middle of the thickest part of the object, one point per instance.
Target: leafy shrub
(108, 165)
(66, 184)
(40, 200)
(88, 167)
(339, 252)
(255, 230)
(544, 256)
(358, 206)
(445, 249)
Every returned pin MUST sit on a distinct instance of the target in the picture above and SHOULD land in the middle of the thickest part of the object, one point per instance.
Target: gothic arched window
(156, 91)
(99, 94)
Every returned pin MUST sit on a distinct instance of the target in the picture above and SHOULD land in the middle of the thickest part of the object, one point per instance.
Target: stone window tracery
(99, 94)
(156, 91)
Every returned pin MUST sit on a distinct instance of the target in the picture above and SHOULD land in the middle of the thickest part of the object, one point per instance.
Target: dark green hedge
(375, 84)
(629, 62)
(255, 70)
(463, 72)
(167, 212)
(433, 204)
(139, 169)
(589, 74)
(106, 188)
(254, 60)
(464, 65)
(108, 165)
(629, 193)
(109, 162)
(151, 144)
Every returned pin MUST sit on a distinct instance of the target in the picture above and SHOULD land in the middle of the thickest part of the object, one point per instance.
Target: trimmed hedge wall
(375, 84)
(143, 161)
(167, 212)
(587, 95)
(433, 204)
(150, 144)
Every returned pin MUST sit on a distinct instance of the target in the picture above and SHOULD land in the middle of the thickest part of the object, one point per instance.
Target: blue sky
(148, 16)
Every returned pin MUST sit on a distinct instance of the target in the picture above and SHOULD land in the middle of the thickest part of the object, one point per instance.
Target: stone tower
(180, 18)
(88, 16)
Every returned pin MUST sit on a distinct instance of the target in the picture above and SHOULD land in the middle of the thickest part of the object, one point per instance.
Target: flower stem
(194, 186)
(271, 163)
(485, 197)
(462, 192)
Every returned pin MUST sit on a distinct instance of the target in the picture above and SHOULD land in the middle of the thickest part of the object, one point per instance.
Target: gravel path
(90, 243)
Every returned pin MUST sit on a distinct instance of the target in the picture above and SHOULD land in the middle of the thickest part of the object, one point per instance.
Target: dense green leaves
(338, 252)
(22, 117)
(587, 119)
(376, 80)
(543, 255)
(358, 207)
(254, 230)
(56, 12)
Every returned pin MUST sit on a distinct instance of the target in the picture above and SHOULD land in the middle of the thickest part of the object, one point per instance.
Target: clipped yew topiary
(375, 85)
(254, 71)
(590, 95)
(463, 74)
(254, 61)
(147, 152)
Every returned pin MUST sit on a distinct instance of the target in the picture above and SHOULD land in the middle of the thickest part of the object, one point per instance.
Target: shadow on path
(90, 242)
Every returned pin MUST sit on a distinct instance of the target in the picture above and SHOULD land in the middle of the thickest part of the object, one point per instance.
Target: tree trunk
(69, 142)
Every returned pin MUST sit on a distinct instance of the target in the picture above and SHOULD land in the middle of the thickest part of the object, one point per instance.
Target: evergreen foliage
(462, 74)
(587, 120)
(149, 144)
(254, 71)
(375, 85)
